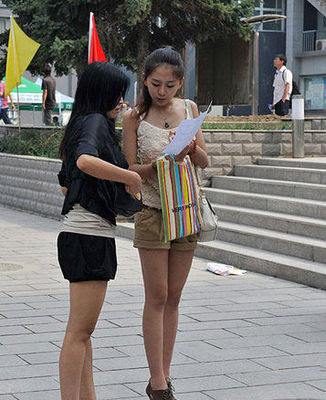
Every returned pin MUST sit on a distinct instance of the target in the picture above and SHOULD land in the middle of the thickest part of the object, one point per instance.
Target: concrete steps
(272, 219)
(273, 241)
(287, 223)
(307, 175)
(314, 162)
(299, 190)
(265, 202)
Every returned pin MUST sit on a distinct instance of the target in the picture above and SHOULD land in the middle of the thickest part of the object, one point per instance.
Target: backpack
(295, 89)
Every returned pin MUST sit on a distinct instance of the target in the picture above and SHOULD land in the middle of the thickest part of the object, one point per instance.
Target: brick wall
(229, 148)
(30, 183)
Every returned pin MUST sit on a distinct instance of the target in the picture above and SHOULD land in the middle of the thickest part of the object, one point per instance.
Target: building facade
(302, 37)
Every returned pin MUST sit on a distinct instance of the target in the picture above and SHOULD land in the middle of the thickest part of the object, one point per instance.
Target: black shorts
(282, 108)
(86, 257)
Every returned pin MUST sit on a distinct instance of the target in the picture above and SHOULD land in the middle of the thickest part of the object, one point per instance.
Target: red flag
(95, 51)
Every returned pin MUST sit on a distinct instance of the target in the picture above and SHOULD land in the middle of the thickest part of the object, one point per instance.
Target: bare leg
(155, 274)
(87, 389)
(86, 300)
(179, 267)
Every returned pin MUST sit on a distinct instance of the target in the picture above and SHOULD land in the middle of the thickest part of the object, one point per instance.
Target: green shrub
(32, 142)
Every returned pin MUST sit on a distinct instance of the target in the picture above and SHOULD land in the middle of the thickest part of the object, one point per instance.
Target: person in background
(4, 103)
(48, 102)
(282, 86)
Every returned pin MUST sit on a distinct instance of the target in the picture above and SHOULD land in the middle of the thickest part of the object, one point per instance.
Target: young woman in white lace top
(147, 130)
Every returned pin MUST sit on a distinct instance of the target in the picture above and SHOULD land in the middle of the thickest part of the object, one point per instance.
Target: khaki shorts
(149, 233)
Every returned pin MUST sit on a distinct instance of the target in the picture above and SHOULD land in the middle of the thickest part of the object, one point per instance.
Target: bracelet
(154, 165)
(194, 148)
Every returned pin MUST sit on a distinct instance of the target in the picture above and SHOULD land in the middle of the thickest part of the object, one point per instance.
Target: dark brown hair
(164, 55)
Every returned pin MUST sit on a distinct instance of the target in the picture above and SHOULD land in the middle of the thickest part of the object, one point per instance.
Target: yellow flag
(21, 50)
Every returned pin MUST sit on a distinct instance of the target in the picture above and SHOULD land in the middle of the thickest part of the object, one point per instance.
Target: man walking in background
(283, 82)
(48, 103)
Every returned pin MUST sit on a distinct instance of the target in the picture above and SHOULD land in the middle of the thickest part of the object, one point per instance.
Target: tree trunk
(143, 50)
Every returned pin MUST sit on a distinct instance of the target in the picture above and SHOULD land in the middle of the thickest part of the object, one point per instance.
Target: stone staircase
(272, 219)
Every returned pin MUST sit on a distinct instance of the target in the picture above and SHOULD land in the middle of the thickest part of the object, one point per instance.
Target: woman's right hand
(133, 186)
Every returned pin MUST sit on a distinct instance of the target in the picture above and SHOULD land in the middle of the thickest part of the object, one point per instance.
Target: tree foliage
(128, 29)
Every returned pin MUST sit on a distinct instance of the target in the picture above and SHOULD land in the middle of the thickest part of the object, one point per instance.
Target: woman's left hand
(179, 157)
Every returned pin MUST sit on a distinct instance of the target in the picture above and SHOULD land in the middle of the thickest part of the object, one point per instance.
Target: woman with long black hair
(92, 168)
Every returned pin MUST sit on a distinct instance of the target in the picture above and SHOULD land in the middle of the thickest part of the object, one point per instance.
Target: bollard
(298, 126)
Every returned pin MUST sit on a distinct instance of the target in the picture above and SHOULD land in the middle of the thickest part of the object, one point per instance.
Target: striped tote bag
(179, 198)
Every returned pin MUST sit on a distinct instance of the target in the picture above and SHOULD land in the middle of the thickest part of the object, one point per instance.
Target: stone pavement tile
(318, 384)
(113, 392)
(17, 306)
(117, 331)
(27, 348)
(107, 392)
(310, 337)
(215, 368)
(292, 310)
(117, 341)
(301, 348)
(254, 341)
(290, 391)
(61, 326)
(305, 303)
(192, 385)
(43, 395)
(280, 376)
(38, 299)
(125, 376)
(246, 306)
(8, 397)
(11, 360)
(28, 385)
(219, 316)
(25, 321)
(297, 319)
(298, 292)
(26, 371)
(204, 353)
(194, 326)
(270, 329)
(13, 330)
(321, 324)
(121, 363)
(133, 350)
(187, 336)
(31, 338)
(284, 362)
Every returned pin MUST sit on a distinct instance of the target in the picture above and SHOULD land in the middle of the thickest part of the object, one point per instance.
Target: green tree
(128, 29)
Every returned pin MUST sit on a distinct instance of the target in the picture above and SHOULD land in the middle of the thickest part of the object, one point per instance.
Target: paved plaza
(240, 338)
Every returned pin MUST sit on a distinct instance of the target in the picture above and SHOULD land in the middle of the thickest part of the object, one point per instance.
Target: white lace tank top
(151, 142)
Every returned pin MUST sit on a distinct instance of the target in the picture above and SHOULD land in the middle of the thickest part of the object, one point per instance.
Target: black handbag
(116, 198)
(126, 204)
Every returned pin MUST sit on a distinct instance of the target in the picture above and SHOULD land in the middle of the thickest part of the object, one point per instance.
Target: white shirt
(79, 220)
(282, 77)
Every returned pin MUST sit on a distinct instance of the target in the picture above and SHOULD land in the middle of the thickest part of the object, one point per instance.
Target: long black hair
(99, 90)
(164, 55)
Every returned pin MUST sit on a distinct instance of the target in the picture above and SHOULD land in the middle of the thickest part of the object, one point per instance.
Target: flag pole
(90, 33)
(18, 106)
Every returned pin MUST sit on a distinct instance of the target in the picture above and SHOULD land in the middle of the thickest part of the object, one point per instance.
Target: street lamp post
(258, 19)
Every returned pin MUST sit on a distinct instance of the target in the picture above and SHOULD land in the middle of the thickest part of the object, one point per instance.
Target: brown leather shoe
(171, 388)
(164, 394)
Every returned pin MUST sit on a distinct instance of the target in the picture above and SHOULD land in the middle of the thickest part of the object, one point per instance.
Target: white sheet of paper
(186, 131)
